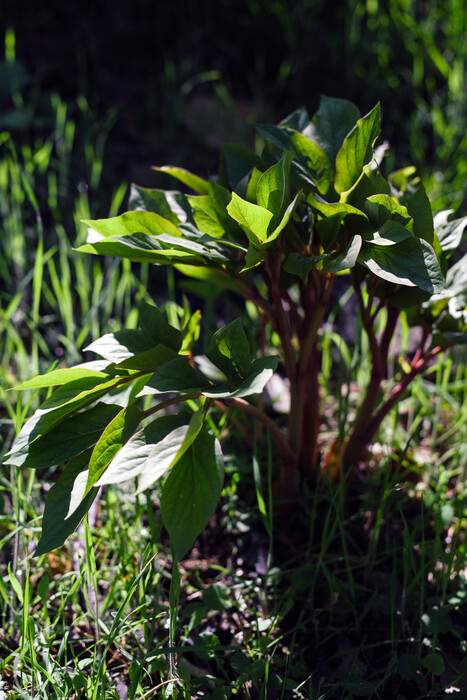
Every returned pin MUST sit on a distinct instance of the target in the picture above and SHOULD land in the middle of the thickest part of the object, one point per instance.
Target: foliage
(276, 228)
(409, 54)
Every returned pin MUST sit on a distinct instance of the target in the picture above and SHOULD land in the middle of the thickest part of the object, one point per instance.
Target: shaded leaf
(66, 400)
(419, 208)
(176, 375)
(67, 493)
(338, 262)
(297, 264)
(298, 120)
(412, 262)
(151, 200)
(191, 492)
(434, 663)
(316, 161)
(259, 374)
(149, 360)
(230, 351)
(254, 257)
(239, 161)
(332, 122)
(155, 329)
(450, 233)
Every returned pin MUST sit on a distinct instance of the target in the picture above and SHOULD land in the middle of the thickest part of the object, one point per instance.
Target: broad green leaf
(400, 179)
(67, 399)
(259, 374)
(298, 120)
(230, 351)
(197, 184)
(438, 620)
(130, 461)
(191, 492)
(145, 199)
(133, 222)
(316, 161)
(357, 150)
(204, 248)
(255, 176)
(434, 663)
(117, 347)
(456, 277)
(170, 450)
(140, 247)
(239, 161)
(403, 298)
(382, 208)
(273, 188)
(253, 258)
(149, 360)
(419, 208)
(412, 262)
(408, 666)
(66, 494)
(332, 122)
(176, 376)
(161, 458)
(171, 205)
(296, 264)
(72, 437)
(219, 279)
(206, 215)
(155, 329)
(335, 214)
(370, 183)
(328, 229)
(282, 223)
(450, 232)
(58, 377)
(447, 339)
(115, 435)
(332, 208)
(338, 262)
(279, 136)
(391, 233)
(253, 219)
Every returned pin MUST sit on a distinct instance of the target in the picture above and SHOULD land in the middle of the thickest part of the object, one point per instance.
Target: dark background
(171, 80)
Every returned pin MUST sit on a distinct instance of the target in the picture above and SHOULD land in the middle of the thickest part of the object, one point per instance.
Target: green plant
(276, 229)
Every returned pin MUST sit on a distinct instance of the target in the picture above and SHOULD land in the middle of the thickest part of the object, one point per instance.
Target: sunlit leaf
(115, 435)
(197, 184)
(357, 150)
